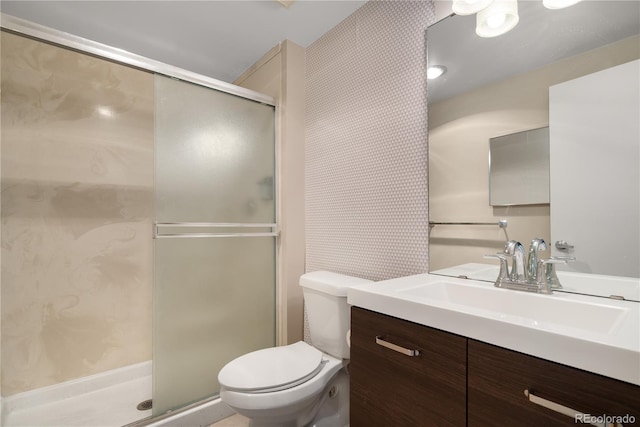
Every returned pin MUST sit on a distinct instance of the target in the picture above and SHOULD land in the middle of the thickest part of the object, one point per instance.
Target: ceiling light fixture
(435, 71)
(498, 18)
(469, 7)
(559, 4)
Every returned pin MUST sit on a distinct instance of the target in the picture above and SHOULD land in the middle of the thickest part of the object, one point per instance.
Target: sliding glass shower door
(215, 244)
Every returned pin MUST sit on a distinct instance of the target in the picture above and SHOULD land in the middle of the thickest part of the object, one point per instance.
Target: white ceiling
(220, 39)
(541, 37)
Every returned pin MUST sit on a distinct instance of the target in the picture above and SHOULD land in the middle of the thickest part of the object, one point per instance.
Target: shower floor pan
(106, 400)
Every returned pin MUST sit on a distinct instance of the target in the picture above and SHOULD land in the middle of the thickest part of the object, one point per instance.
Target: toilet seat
(272, 369)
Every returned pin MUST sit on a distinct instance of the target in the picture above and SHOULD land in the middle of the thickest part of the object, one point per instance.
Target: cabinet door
(499, 377)
(389, 388)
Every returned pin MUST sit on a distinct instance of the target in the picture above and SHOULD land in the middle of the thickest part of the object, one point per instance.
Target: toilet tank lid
(330, 283)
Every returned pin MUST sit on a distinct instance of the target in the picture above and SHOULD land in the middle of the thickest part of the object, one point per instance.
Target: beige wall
(280, 73)
(459, 132)
(366, 151)
(77, 176)
(442, 9)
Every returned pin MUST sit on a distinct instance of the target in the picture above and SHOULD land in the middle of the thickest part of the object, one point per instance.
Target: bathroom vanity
(423, 354)
(391, 388)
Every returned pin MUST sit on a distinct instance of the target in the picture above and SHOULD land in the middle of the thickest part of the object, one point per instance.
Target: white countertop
(610, 351)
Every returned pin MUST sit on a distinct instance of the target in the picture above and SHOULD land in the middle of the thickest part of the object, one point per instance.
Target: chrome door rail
(157, 226)
(47, 34)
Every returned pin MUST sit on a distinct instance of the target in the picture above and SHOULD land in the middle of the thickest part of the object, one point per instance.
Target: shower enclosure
(214, 294)
(138, 231)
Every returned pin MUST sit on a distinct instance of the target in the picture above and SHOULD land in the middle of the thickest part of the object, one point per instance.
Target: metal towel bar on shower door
(157, 235)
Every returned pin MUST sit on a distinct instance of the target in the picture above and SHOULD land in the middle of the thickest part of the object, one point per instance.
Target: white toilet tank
(325, 299)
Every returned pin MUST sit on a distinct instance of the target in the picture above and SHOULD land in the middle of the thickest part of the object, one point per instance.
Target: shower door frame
(52, 36)
(80, 44)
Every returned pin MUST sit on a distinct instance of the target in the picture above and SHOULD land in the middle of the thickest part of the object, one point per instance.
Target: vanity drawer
(391, 388)
(498, 379)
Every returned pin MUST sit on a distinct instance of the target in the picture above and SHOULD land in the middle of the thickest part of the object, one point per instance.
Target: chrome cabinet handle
(406, 351)
(561, 245)
(561, 409)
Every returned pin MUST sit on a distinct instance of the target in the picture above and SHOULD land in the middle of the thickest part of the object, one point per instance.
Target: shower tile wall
(366, 143)
(77, 176)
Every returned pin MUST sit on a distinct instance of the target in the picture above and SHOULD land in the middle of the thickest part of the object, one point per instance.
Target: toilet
(298, 384)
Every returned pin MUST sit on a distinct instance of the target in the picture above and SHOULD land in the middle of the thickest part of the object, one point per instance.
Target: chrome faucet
(538, 275)
(516, 277)
(537, 245)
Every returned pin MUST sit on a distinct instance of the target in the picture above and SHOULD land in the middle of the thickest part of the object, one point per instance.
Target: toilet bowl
(266, 387)
(298, 384)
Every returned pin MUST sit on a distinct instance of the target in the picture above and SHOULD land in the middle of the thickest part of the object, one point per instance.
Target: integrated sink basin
(591, 333)
(530, 308)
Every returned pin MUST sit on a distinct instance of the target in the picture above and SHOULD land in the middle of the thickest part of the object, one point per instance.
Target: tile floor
(233, 421)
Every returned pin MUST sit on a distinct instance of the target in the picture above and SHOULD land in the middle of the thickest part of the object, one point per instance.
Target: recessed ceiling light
(435, 71)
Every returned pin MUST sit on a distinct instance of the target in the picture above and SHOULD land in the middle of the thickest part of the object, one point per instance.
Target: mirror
(500, 86)
(519, 168)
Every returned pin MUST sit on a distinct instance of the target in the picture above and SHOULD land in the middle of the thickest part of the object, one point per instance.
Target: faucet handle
(503, 274)
(563, 258)
(546, 273)
(550, 271)
(497, 255)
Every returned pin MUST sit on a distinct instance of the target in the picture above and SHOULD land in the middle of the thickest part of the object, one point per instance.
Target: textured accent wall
(77, 186)
(366, 143)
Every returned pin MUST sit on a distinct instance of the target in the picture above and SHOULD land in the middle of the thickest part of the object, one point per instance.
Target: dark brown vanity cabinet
(498, 379)
(390, 387)
(455, 381)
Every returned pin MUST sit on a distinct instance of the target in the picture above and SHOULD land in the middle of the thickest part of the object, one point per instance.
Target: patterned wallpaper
(366, 143)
